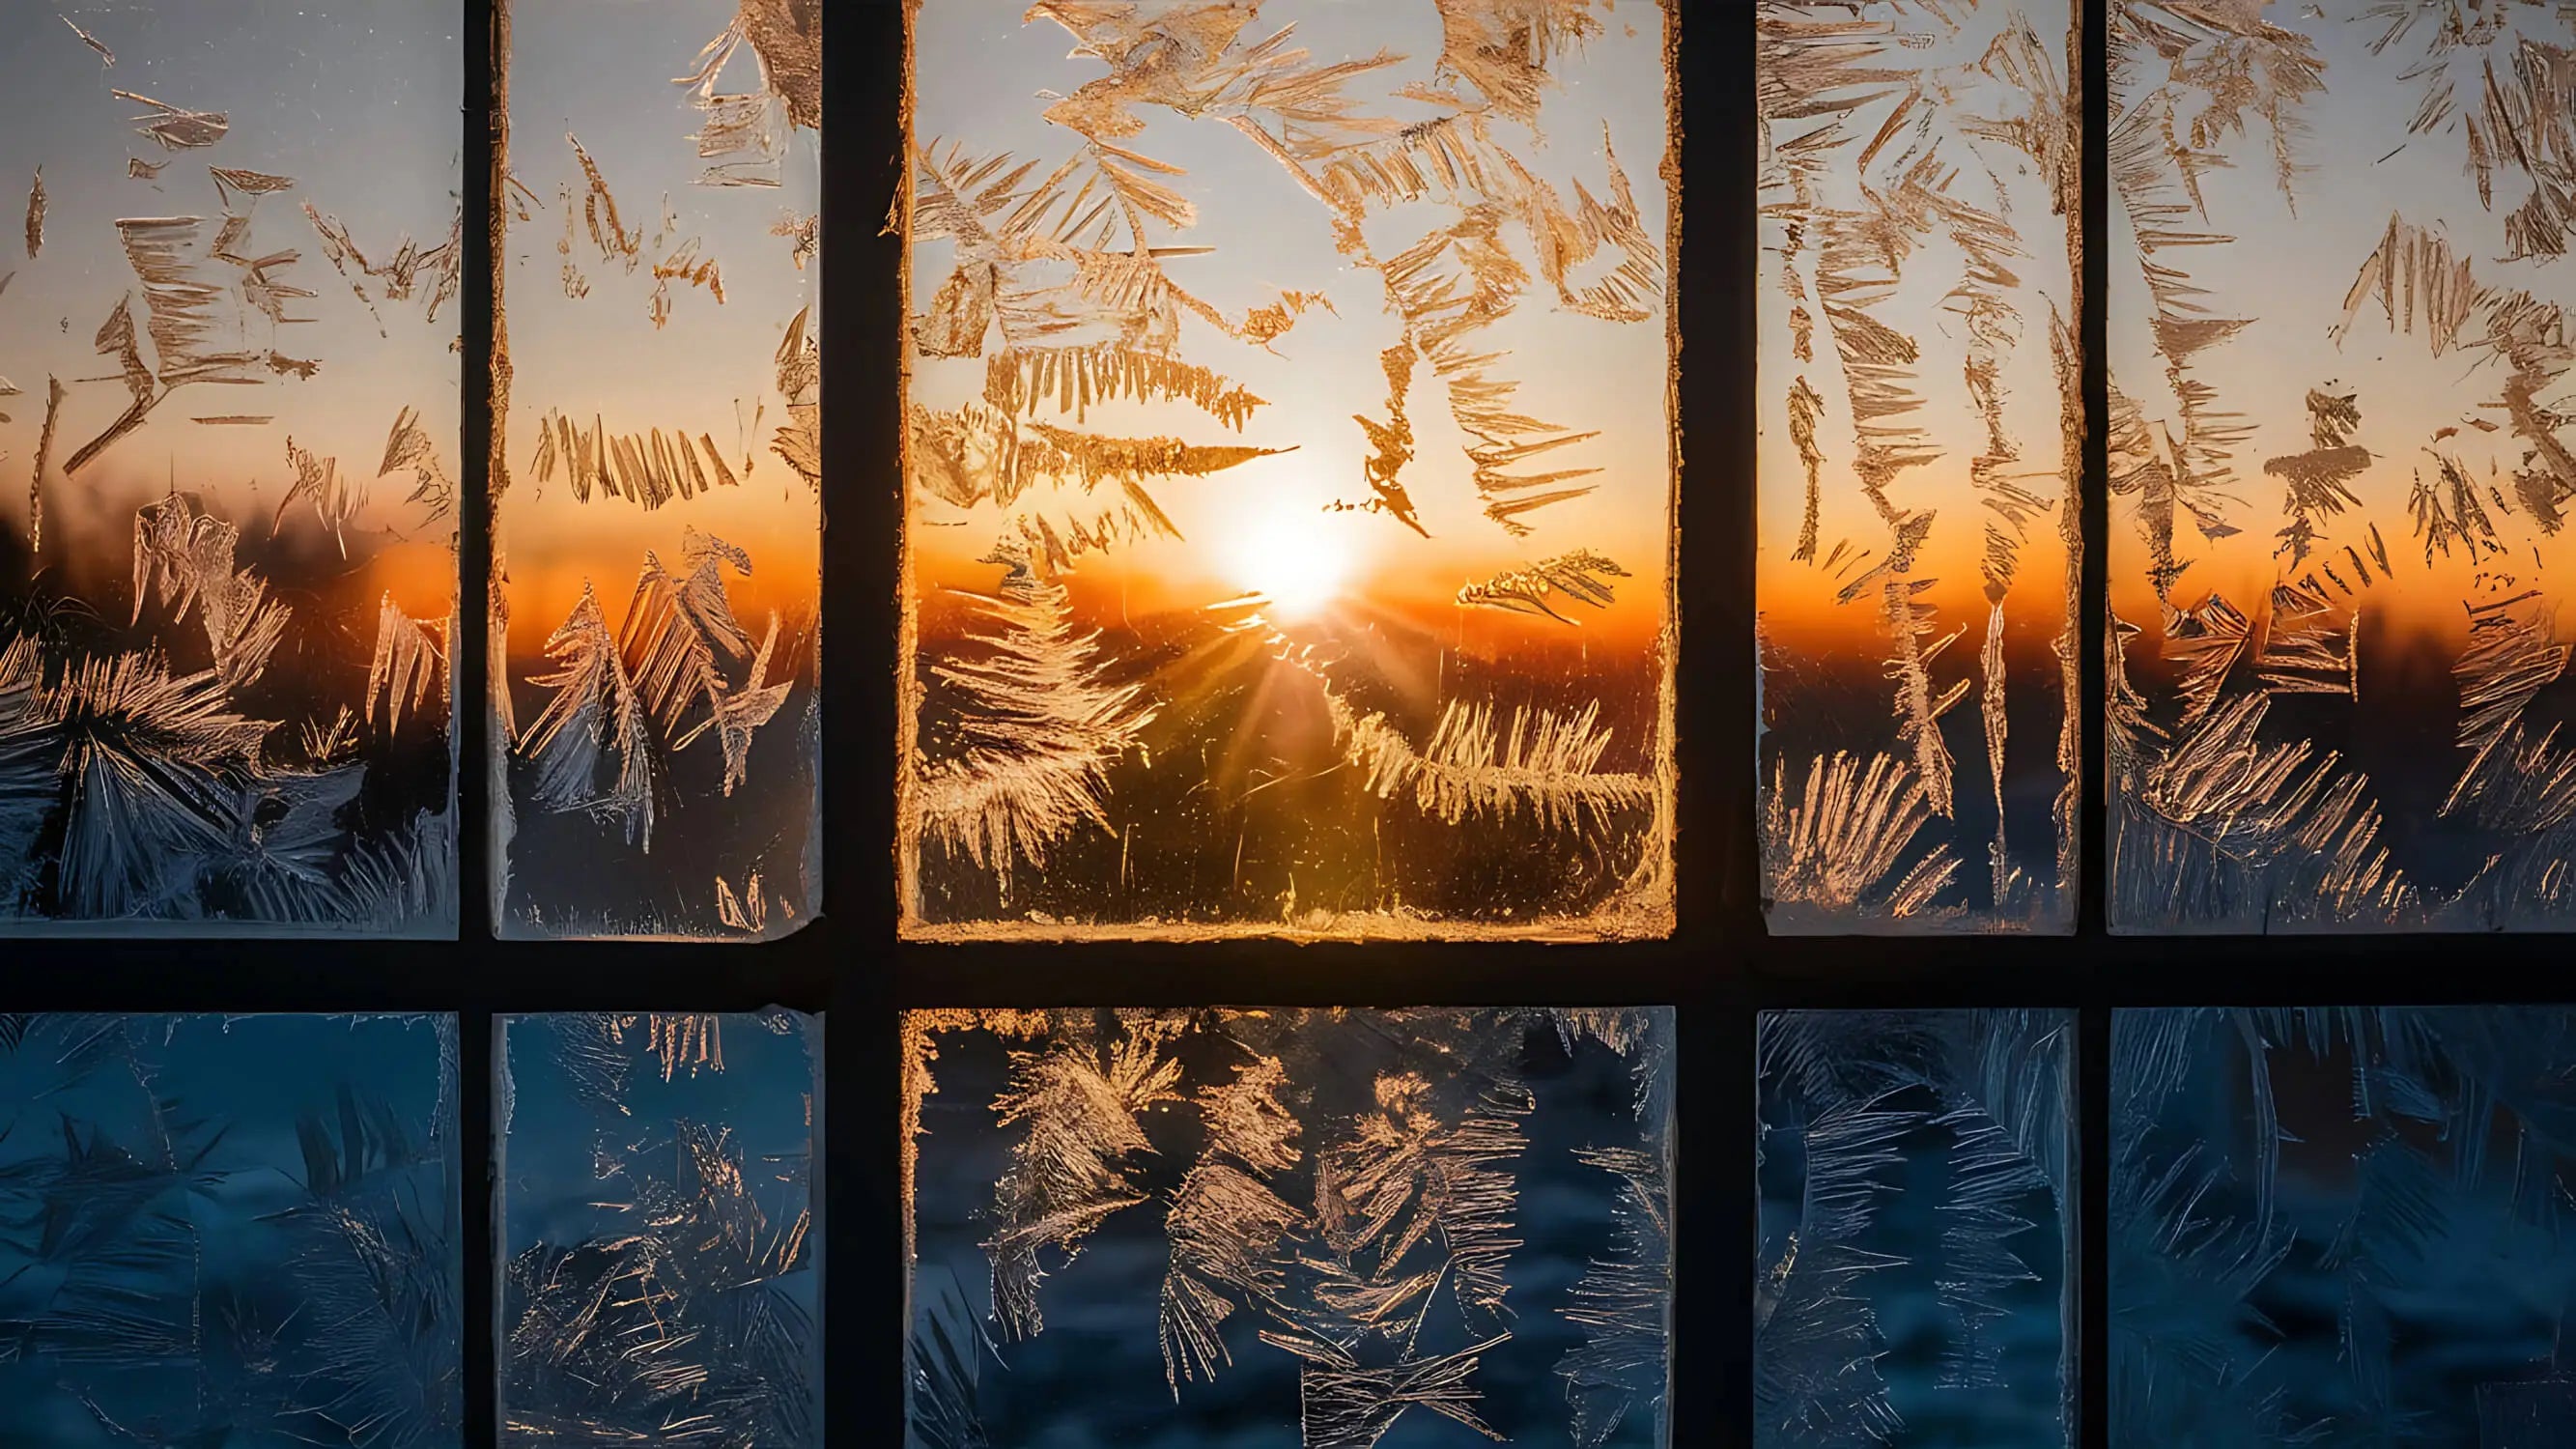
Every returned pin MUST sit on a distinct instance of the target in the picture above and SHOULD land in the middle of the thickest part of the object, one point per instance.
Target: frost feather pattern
(2297, 563)
(1921, 296)
(232, 1228)
(659, 1213)
(1916, 1278)
(2330, 1221)
(1300, 1223)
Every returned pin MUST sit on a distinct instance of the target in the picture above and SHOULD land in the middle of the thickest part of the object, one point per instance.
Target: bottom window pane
(1327, 1227)
(229, 1230)
(660, 1225)
(2330, 1223)
(1918, 1229)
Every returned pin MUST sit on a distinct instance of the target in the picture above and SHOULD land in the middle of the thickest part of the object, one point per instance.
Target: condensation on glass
(1922, 430)
(2328, 1221)
(228, 283)
(661, 1228)
(2340, 467)
(231, 1230)
(1301, 1226)
(1289, 471)
(657, 469)
(1916, 1276)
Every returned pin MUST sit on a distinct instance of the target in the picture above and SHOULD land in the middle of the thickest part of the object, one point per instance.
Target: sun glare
(1292, 556)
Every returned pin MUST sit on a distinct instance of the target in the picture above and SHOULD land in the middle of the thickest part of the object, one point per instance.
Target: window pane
(1922, 428)
(230, 1230)
(661, 1226)
(224, 638)
(2329, 1221)
(1919, 1229)
(1290, 472)
(1215, 1226)
(2339, 463)
(657, 521)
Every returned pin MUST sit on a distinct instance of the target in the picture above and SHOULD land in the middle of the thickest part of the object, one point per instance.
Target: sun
(1292, 556)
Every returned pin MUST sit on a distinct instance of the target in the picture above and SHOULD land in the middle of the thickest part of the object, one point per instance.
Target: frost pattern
(661, 422)
(1316, 1220)
(231, 1229)
(1922, 250)
(2332, 1221)
(225, 642)
(678, 667)
(1080, 328)
(1916, 1273)
(662, 1272)
(2400, 391)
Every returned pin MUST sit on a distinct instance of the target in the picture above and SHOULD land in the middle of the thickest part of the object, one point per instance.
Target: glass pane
(1922, 427)
(1290, 479)
(661, 1228)
(1214, 1226)
(224, 703)
(230, 1230)
(1916, 1284)
(2328, 1223)
(2339, 463)
(657, 518)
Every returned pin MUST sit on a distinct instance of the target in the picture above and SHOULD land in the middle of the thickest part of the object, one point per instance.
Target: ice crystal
(1341, 1219)
(2270, 775)
(2330, 1221)
(679, 665)
(1915, 1283)
(1041, 726)
(1086, 300)
(1923, 256)
(662, 1269)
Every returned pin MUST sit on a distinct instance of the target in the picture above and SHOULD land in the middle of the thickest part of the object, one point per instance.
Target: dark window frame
(1719, 968)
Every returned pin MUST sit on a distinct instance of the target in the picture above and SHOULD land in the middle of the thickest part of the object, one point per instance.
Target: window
(745, 1026)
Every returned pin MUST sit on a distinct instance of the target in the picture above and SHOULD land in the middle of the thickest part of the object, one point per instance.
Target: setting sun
(1293, 556)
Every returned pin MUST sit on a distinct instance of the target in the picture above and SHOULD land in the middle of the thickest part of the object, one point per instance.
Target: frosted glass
(224, 639)
(1289, 1229)
(1917, 1269)
(1290, 484)
(230, 1230)
(2339, 467)
(661, 1227)
(657, 500)
(2329, 1222)
(1922, 439)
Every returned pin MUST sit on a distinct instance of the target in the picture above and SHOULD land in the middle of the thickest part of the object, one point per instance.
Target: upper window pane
(1922, 428)
(2339, 467)
(657, 518)
(1290, 475)
(228, 414)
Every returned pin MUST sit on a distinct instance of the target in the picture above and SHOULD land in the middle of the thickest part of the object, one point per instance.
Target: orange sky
(1164, 576)
(707, 368)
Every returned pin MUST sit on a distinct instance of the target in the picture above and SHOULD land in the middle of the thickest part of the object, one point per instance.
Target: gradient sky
(2289, 269)
(981, 75)
(355, 99)
(1798, 596)
(602, 70)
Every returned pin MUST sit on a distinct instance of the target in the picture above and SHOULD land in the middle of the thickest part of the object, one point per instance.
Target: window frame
(1719, 968)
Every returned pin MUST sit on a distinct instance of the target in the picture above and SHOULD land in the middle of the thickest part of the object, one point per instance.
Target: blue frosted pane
(1286, 1228)
(1916, 1278)
(235, 1232)
(2330, 1222)
(661, 1227)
